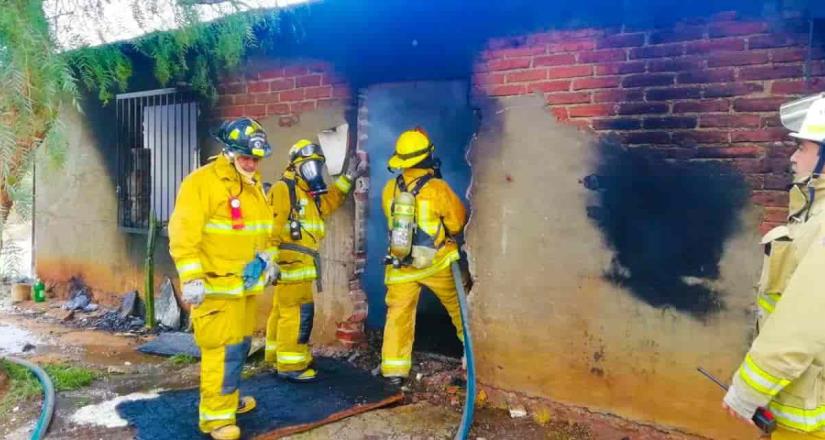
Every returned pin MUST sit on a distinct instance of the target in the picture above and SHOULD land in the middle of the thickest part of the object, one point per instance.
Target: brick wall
(284, 91)
(705, 90)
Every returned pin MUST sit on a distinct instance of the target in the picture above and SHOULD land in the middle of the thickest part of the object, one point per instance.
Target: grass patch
(183, 359)
(23, 384)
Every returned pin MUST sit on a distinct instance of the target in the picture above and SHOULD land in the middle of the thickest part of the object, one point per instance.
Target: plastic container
(39, 291)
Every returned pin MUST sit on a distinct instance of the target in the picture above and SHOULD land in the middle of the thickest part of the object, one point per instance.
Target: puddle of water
(104, 413)
(13, 339)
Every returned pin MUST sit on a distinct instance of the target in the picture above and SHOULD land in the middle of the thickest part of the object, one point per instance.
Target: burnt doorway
(442, 108)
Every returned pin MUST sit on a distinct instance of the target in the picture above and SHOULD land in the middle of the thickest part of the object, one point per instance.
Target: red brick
(674, 65)
(697, 47)
(233, 111)
(571, 46)
(705, 106)
(515, 52)
(789, 55)
(732, 121)
(255, 110)
(569, 72)
(593, 110)
(737, 59)
(485, 79)
(646, 137)
(771, 198)
(771, 41)
(775, 215)
(292, 95)
(560, 113)
(568, 98)
(601, 56)
(770, 72)
(301, 107)
(758, 104)
(526, 76)
(694, 137)
(621, 40)
(287, 121)
(778, 181)
(318, 92)
(706, 76)
(617, 124)
(755, 181)
(670, 93)
(646, 80)
(660, 51)
(245, 99)
(340, 91)
(750, 166)
(726, 90)
(509, 64)
(620, 68)
(763, 135)
(277, 109)
(671, 36)
(282, 84)
(596, 83)
(736, 28)
(639, 108)
(266, 98)
(781, 150)
(225, 101)
(581, 124)
(624, 95)
(232, 89)
(508, 90)
(766, 227)
(271, 73)
(295, 71)
(669, 122)
(308, 81)
(559, 59)
(771, 121)
(549, 86)
(731, 152)
(258, 87)
(797, 87)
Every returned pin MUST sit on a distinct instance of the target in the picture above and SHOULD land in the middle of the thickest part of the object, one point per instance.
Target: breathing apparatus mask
(308, 161)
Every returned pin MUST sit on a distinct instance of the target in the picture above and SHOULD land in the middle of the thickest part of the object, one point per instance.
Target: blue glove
(252, 272)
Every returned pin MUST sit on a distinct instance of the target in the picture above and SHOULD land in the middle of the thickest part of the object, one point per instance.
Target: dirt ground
(432, 406)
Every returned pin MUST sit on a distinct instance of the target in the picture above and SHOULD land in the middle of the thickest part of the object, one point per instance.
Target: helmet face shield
(312, 171)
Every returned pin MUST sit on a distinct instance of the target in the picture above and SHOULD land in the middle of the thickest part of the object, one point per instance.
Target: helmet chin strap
(820, 164)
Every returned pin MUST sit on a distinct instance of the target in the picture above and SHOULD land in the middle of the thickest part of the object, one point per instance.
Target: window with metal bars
(156, 148)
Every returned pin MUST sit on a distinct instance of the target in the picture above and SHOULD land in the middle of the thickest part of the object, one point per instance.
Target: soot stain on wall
(667, 223)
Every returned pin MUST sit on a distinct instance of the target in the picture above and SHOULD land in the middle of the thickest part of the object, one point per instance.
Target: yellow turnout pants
(784, 434)
(399, 331)
(289, 326)
(223, 331)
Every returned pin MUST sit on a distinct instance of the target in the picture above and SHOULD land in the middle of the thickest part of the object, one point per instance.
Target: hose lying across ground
(47, 409)
(469, 401)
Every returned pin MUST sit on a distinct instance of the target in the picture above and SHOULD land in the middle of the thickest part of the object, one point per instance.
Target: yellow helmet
(304, 150)
(412, 147)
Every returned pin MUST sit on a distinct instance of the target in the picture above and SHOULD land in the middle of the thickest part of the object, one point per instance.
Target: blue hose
(47, 408)
(469, 400)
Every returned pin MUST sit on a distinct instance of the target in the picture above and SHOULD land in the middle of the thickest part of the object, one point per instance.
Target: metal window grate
(156, 149)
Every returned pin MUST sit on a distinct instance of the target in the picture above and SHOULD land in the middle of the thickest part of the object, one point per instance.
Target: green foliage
(23, 385)
(182, 359)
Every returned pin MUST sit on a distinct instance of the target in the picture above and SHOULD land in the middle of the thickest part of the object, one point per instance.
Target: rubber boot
(246, 405)
(228, 432)
(308, 375)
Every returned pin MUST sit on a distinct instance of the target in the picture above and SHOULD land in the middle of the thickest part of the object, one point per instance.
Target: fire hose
(47, 408)
(469, 400)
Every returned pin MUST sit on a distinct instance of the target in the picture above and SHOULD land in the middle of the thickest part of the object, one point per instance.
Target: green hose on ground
(47, 408)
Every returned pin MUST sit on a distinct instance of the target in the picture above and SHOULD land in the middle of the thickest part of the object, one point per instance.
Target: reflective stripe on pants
(399, 331)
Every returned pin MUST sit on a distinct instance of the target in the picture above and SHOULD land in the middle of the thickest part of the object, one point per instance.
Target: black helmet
(244, 136)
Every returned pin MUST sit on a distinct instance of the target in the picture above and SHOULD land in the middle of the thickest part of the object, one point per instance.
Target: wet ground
(432, 407)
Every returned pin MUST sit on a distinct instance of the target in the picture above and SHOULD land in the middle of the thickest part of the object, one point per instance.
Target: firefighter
(423, 215)
(220, 239)
(300, 202)
(783, 370)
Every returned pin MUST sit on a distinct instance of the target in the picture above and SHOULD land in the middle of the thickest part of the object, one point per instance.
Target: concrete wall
(547, 323)
(76, 225)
